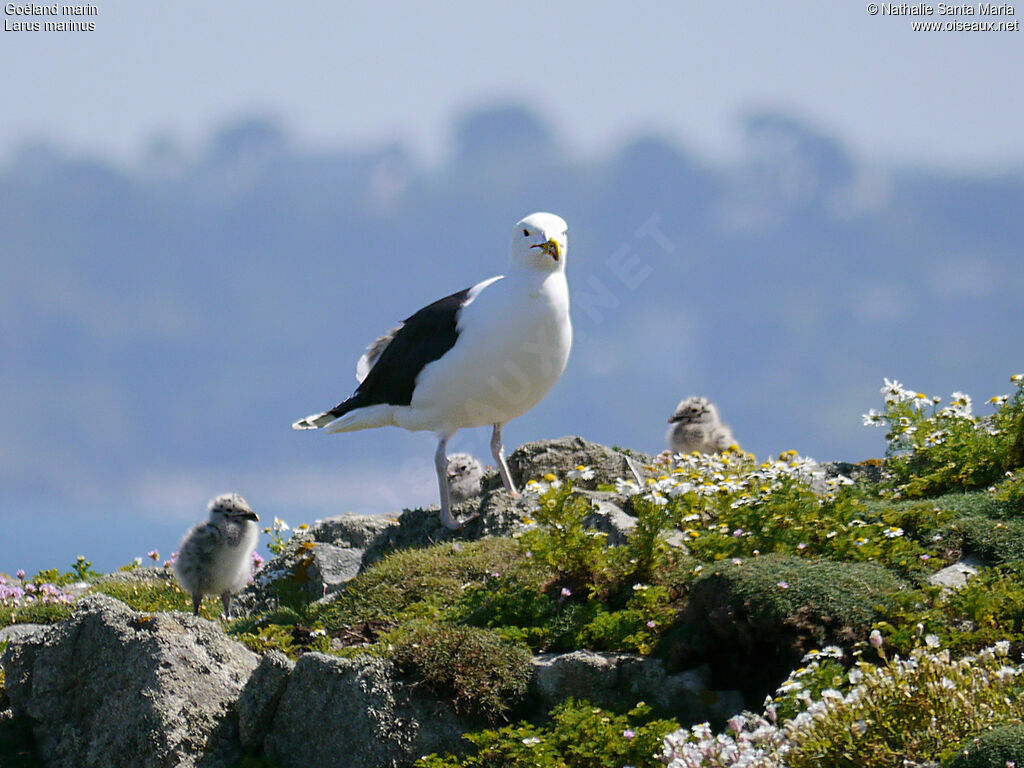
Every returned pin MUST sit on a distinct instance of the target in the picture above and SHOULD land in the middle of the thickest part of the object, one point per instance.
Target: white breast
(513, 345)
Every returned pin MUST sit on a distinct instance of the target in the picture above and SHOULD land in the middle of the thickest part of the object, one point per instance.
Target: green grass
(156, 595)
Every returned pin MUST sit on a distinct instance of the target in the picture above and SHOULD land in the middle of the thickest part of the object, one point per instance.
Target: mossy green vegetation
(483, 674)
(998, 748)
(771, 571)
(418, 583)
(989, 608)
(577, 735)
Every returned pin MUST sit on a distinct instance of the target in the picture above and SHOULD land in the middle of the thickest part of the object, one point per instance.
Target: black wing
(423, 338)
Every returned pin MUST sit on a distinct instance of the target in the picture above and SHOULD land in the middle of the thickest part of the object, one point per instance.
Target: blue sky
(355, 76)
(350, 74)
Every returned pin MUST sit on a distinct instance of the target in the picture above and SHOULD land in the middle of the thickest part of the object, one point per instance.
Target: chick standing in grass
(696, 426)
(465, 475)
(215, 557)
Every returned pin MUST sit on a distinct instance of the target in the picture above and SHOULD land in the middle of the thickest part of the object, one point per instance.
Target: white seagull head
(539, 243)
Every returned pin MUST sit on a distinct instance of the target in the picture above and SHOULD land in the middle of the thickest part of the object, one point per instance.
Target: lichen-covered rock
(16, 748)
(615, 679)
(333, 567)
(260, 698)
(494, 513)
(611, 520)
(356, 713)
(305, 566)
(869, 472)
(956, 575)
(144, 574)
(323, 559)
(532, 461)
(111, 687)
(19, 632)
(350, 530)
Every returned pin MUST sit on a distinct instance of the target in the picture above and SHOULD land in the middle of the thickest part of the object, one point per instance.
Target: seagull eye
(526, 233)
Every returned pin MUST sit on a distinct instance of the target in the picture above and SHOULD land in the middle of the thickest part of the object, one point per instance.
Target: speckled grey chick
(215, 557)
(465, 475)
(696, 426)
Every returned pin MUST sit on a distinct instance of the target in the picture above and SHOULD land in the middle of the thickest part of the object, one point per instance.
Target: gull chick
(696, 426)
(465, 475)
(215, 557)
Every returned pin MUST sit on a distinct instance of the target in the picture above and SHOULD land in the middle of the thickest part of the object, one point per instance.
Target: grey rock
(351, 530)
(314, 567)
(870, 472)
(333, 567)
(111, 687)
(260, 698)
(534, 460)
(308, 560)
(356, 713)
(140, 575)
(16, 737)
(609, 519)
(580, 674)
(956, 575)
(494, 513)
(19, 632)
(614, 515)
(322, 559)
(613, 679)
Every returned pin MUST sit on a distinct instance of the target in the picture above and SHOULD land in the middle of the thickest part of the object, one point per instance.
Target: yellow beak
(550, 248)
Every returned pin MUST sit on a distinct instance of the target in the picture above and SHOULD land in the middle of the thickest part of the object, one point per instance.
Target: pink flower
(628, 734)
(566, 592)
(20, 574)
(257, 560)
(783, 585)
(925, 557)
(153, 555)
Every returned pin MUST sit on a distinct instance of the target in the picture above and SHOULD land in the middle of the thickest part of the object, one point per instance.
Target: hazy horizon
(204, 230)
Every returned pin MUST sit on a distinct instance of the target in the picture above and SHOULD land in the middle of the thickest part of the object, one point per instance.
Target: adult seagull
(478, 357)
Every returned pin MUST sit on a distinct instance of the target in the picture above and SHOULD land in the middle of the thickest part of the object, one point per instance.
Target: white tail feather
(314, 421)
